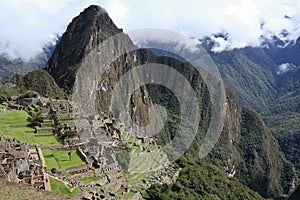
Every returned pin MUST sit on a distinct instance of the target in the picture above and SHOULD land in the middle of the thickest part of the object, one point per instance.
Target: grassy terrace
(90, 179)
(19, 118)
(60, 159)
(141, 163)
(60, 188)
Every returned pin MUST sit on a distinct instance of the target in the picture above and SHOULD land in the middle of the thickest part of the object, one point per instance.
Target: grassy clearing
(14, 117)
(64, 160)
(43, 127)
(46, 140)
(60, 159)
(50, 159)
(90, 179)
(47, 121)
(60, 188)
(51, 163)
(19, 117)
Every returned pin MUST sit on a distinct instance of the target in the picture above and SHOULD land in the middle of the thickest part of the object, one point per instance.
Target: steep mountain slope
(198, 180)
(295, 195)
(250, 74)
(87, 30)
(283, 117)
(246, 146)
(288, 82)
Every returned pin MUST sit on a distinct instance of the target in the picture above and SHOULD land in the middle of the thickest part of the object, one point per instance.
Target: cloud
(142, 37)
(26, 25)
(285, 67)
(243, 21)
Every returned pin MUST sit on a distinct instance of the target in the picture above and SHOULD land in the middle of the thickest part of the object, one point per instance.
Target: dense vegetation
(255, 145)
(198, 180)
(295, 195)
(6, 91)
(251, 74)
(253, 151)
(39, 81)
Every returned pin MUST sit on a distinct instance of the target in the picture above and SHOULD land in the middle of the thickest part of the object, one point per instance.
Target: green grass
(19, 117)
(47, 152)
(46, 140)
(60, 159)
(14, 117)
(60, 188)
(47, 121)
(90, 179)
(43, 128)
(51, 163)
(131, 139)
(50, 159)
(64, 160)
(130, 195)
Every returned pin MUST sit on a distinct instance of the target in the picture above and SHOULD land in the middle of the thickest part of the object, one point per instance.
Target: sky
(27, 25)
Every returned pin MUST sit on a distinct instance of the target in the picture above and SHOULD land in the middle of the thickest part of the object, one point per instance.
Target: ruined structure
(23, 164)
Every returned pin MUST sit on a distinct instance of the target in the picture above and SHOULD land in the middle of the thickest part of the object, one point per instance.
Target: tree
(53, 170)
(35, 119)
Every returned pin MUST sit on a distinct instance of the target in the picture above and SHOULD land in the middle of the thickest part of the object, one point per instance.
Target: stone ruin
(21, 164)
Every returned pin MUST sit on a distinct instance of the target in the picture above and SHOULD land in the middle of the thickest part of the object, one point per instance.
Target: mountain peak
(94, 10)
(91, 27)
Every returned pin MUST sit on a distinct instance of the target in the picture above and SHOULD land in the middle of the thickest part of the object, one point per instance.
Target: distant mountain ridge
(9, 67)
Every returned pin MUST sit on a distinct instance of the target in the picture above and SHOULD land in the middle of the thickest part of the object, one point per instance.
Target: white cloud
(28, 24)
(285, 67)
(141, 37)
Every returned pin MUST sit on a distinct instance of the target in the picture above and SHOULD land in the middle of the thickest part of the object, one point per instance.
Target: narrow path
(47, 182)
(46, 175)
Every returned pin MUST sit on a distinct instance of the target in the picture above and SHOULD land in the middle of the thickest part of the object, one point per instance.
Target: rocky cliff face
(85, 31)
(245, 149)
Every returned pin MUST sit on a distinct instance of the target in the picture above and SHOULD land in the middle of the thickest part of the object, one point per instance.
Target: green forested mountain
(198, 180)
(6, 91)
(283, 118)
(40, 81)
(251, 74)
(246, 146)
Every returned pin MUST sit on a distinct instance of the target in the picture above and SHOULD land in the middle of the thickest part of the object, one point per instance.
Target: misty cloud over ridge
(27, 25)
